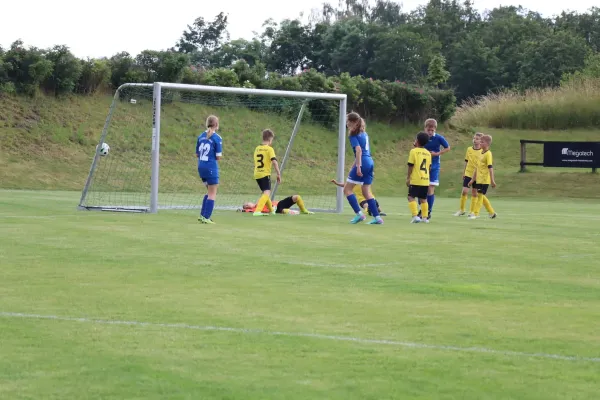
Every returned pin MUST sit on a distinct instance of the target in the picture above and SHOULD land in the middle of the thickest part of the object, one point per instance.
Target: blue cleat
(358, 218)
(375, 221)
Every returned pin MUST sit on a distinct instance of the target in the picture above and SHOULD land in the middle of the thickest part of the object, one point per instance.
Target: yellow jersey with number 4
(472, 158)
(420, 159)
(483, 168)
(263, 155)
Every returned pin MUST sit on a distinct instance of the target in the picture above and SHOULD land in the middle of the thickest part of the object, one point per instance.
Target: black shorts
(481, 187)
(418, 192)
(288, 202)
(264, 183)
(466, 181)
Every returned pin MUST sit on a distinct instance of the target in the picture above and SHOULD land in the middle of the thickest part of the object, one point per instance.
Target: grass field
(114, 306)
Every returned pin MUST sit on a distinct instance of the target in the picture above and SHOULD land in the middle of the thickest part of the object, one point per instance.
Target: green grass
(526, 283)
(573, 105)
(48, 143)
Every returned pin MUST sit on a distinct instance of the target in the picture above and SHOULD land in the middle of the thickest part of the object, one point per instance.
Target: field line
(413, 345)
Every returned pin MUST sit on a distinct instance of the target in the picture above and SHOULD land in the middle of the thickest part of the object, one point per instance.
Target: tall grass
(575, 104)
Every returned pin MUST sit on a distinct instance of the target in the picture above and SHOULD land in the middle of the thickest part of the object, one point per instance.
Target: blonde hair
(487, 139)
(430, 122)
(267, 134)
(354, 117)
(211, 122)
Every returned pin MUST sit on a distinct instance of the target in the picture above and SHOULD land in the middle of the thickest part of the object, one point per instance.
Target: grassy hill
(48, 143)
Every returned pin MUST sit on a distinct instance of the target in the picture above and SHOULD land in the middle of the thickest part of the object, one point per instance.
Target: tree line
(392, 64)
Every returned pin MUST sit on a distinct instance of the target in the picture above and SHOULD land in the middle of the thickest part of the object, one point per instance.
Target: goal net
(151, 130)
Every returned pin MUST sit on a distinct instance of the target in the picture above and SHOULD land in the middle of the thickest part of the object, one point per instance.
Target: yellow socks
(261, 203)
(463, 202)
(412, 206)
(479, 204)
(300, 203)
(424, 210)
(473, 207)
(488, 205)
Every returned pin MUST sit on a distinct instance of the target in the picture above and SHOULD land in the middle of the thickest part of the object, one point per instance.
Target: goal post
(158, 171)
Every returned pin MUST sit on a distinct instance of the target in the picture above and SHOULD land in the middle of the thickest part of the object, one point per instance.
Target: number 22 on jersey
(203, 150)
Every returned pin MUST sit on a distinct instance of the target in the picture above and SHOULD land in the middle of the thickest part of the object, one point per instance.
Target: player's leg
(434, 180)
(463, 196)
(351, 182)
(488, 206)
(412, 204)
(264, 185)
(474, 199)
(368, 175)
(424, 207)
(297, 199)
(212, 185)
(481, 191)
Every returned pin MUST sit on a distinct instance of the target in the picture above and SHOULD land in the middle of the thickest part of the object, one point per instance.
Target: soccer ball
(104, 149)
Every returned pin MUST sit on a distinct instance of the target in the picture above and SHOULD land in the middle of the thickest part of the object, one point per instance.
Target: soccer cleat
(258, 214)
(473, 216)
(307, 212)
(425, 221)
(493, 216)
(375, 221)
(357, 218)
(208, 221)
(273, 212)
(415, 220)
(459, 213)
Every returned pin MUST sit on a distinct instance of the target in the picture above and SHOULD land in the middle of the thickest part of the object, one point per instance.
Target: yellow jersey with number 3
(263, 155)
(483, 168)
(472, 158)
(420, 159)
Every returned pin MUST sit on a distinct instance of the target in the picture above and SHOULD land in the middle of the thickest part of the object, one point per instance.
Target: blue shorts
(366, 179)
(434, 176)
(209, 176)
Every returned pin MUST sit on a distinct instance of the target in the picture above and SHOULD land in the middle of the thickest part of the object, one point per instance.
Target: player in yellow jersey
(417, 179)
(483, 177)
(264, 157)
(471, 158)
(362, 201)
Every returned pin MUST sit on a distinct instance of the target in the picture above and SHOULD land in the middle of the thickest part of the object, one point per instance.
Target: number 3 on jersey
(423, 167)
(260, 160)
(203, 150)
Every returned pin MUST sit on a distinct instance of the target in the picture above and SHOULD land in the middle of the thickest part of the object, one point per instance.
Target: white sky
(109, 26)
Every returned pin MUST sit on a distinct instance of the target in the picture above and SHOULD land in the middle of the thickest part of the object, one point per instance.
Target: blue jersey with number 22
(362, 140)
(208, 149)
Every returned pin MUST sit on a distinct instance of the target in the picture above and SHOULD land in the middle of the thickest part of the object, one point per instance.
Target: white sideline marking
(46, 216)
(413, 345)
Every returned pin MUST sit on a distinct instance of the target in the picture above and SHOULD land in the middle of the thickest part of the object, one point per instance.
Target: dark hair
(354, 117)
(422, 138)
(267, 134)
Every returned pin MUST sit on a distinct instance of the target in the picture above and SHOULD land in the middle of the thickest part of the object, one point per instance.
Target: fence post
(523, 156)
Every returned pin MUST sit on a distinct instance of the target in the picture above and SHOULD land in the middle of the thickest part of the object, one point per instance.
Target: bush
(66, 71)
(26, 68)
(94, 75)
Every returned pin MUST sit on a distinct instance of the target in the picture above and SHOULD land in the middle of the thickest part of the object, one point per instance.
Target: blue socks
(373, 207)
(354, 203)
(203, 205)
(430, 200)
(210, 205)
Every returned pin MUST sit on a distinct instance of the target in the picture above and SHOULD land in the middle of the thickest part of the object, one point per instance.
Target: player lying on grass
(471, 159)
(483, 177)
(418, 178)
(264, 157)
(362, 201)
(281, 207)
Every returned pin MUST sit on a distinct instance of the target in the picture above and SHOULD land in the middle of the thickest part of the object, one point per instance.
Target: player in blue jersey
(437, 146)
(209, 150)
(362, 169)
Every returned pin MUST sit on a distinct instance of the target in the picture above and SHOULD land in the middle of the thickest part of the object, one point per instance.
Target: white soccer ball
(104, 149)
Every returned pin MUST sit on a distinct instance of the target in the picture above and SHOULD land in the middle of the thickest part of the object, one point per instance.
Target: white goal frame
(156, 119)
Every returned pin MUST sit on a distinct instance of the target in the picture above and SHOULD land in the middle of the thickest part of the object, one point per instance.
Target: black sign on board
(572, 154)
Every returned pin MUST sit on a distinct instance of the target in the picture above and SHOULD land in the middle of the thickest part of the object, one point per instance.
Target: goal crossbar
(156, 119)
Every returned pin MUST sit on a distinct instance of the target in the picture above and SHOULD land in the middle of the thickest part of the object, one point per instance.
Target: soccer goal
(152, 129)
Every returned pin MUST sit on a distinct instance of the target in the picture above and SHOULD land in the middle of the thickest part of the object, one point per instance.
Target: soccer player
(264, 157)
(437, 145)
(281, 207)
(471, 158)
(484, 176)
(418, 178)
(361, 199)
(209, 150)
(362, 169)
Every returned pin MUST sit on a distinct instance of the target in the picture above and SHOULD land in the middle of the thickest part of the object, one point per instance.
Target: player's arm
(218, 149)
(197, 146)
(275, 164)
(491, 169)
(446, 148)
(411, 165)
(336, 183)
(473, 177)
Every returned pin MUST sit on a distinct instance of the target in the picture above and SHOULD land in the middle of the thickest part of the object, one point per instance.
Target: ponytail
(212, 123)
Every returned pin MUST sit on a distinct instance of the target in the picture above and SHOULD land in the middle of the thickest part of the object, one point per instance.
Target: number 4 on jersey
(423, 168)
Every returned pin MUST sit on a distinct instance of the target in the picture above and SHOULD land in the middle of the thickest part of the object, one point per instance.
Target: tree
(586, 25)
(26, 68)
(202, 38)
(550, 58)
(436, 73)
(288, 48)
(65, 72)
